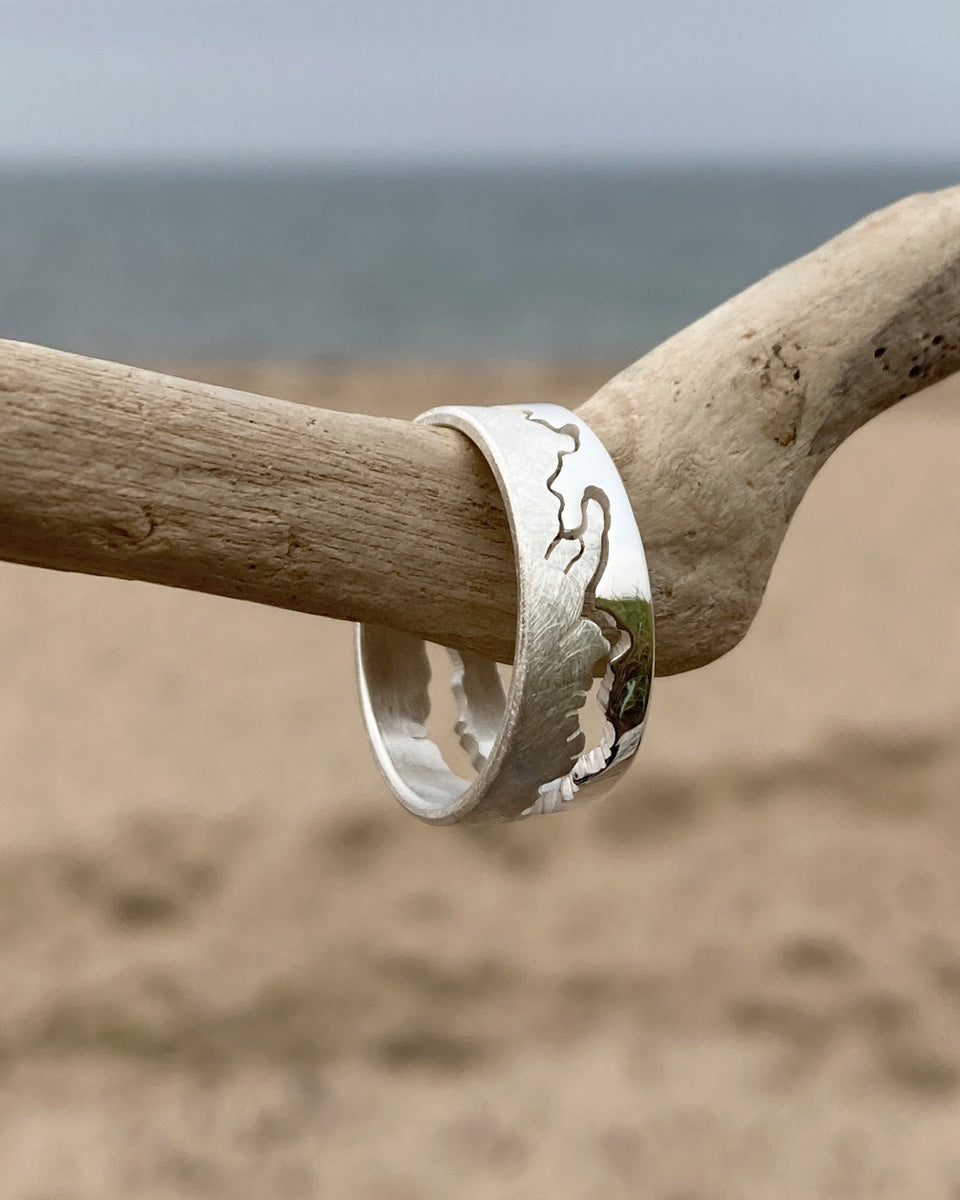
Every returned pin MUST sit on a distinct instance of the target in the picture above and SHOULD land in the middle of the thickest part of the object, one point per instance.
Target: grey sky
(400, 79)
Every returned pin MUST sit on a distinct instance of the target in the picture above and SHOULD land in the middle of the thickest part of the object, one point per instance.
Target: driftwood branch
(116, 471)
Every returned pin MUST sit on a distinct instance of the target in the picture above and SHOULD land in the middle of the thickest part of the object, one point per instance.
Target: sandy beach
(231, 967)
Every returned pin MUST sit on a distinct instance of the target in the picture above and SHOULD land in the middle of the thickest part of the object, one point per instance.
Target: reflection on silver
(584, 612)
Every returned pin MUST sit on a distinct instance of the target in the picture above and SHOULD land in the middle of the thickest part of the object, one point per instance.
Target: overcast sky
(415, 79)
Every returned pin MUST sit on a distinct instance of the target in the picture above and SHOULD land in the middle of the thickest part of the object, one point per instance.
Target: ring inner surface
(396, 681)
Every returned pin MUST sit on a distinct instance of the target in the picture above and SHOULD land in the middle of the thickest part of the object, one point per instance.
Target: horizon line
(386, 162)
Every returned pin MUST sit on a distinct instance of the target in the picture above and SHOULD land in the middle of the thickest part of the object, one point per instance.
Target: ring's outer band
(585, 610)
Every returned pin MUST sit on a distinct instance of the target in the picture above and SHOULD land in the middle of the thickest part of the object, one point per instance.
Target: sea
(447, 261)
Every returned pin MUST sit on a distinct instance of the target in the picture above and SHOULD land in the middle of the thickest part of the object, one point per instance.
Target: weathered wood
(720, 430)
(116, 471)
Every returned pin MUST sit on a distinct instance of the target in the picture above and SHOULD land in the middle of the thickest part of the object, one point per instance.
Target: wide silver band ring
(584, 612)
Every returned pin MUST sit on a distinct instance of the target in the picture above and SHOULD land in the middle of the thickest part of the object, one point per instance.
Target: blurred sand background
(230, 966)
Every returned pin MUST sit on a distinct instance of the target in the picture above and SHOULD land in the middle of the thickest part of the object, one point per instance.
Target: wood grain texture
(112, 470)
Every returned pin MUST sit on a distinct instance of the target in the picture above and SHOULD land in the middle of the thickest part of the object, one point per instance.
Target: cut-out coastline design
(584, 626)
(591, 632)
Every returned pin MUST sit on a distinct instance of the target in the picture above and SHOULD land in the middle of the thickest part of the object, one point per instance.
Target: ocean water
(456, 262)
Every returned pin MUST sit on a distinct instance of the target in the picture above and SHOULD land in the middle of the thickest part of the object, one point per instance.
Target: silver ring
(584, 612)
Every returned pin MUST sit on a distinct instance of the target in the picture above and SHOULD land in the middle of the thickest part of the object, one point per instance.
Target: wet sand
(231, 967)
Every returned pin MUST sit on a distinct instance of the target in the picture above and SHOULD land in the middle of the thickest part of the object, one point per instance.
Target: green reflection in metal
(633, 671)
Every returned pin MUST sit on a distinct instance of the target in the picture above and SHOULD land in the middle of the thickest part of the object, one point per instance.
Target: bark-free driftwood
(116, 471)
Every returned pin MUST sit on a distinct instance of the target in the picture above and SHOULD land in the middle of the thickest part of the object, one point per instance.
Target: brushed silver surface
(584, 612)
